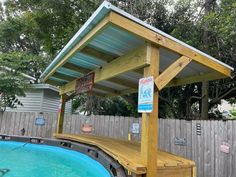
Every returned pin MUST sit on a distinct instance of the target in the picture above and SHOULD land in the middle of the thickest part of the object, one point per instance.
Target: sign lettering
(85, 83)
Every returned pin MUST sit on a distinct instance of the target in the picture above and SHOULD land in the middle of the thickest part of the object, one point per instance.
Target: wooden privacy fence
(200, 141)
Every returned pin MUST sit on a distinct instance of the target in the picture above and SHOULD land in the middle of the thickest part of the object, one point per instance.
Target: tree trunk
(205, 98)
(209, 4)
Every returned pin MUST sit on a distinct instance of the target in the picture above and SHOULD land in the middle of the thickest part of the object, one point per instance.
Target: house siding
(31, 102)
(51, 101)
(41, 100)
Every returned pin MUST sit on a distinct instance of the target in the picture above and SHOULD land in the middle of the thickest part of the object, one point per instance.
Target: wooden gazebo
(120, 49)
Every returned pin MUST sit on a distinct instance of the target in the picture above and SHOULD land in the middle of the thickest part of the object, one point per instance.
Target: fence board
(204, 149)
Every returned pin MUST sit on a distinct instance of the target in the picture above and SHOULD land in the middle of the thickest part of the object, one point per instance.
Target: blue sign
(145, 94)
(40, 121)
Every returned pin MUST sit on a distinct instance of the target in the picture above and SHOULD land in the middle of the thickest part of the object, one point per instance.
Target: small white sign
(145, 94)
(135, 128)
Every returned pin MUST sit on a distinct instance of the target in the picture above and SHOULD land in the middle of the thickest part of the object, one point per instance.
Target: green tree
(12, 84)
(32, 32)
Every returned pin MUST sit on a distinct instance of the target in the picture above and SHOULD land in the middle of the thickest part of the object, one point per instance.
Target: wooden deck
(128, 155)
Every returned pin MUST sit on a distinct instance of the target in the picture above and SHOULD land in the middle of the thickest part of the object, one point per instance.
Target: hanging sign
(85, 83)
(40, 121)
(180, 141)
(145, 94)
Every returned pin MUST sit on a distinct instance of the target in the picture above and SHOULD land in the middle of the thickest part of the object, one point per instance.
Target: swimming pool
(22, 159)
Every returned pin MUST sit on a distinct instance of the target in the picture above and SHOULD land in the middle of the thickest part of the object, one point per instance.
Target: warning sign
(145, 94)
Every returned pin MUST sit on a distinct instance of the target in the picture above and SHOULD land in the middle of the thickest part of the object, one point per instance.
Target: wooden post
(61, 113)
(149, 142)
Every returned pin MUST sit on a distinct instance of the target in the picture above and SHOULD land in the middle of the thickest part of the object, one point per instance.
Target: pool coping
(110, 164)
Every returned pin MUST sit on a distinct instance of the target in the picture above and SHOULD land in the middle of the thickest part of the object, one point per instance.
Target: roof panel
(116, 41)
(58, 80)
(168, 57)
(112, 85)
(131, 76)
(69, 72)
(84, 62)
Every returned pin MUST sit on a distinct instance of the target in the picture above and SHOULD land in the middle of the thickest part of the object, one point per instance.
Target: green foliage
(11, 86)
(233, 113)
(89, 104)
(46, 25)
(24, 62)
(32, 32)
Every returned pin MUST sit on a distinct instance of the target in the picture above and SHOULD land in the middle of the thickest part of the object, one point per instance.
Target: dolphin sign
(145, 94)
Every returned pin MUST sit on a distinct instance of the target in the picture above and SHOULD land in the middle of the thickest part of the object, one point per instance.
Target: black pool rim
(110, 164)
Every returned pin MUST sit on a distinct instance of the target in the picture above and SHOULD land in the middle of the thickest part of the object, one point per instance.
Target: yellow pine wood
(163, 41)
(61, 114)
(91, 35)
(76, 68)
(98, 54)
(128, 154)
(63, 77)
(67, 88)
(175, 68)
(131, 61)
(195, 79)
(149, 140)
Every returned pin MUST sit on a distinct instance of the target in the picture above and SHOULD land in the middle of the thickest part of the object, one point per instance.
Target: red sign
(85, 83)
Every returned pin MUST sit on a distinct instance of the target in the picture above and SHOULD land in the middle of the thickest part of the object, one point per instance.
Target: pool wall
(111, 165)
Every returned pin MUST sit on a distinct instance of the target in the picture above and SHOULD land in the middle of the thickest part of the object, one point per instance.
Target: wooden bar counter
(128, 154)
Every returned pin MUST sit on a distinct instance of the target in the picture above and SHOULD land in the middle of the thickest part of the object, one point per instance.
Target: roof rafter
(115, 80)
(92, 34)
(163, 41)
(135, 59)
(195, 78)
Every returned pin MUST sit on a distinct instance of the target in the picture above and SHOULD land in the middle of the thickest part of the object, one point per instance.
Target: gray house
(41, 98)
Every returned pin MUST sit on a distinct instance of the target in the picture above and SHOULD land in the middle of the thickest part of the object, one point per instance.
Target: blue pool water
(29, 160)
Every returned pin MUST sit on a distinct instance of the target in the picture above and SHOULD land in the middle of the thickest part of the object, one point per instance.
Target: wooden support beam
(90, 36)
(149, 142)
(140, 71)
(115, 80)
(75, 68)
(61, 113)
(168, 43)
(195, 79)
(100, 87)
(123, 82)
(131, 61)
(63, 77)
(98, 54)
(166, 76)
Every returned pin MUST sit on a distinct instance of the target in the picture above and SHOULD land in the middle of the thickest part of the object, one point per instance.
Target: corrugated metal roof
(115, 41)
